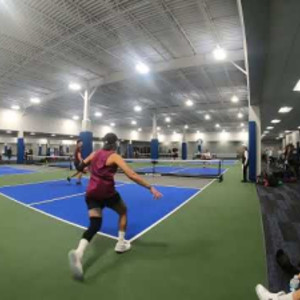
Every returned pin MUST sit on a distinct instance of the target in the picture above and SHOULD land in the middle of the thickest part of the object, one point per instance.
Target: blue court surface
(229, 162)
(66, 202)
(12, 171)
(183, 171)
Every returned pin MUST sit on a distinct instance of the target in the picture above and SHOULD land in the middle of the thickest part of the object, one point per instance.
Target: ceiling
(273, 40)
(46, 44)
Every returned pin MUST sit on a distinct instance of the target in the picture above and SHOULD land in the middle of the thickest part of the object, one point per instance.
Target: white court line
(169, 185)
(224, 171)
(171, 212)
(62, 198)
(56, 218)
(56, 199)
(44, 181)
(179, 170)
(37, 182)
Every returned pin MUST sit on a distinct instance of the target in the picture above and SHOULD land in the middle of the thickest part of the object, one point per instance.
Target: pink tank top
(102, 184)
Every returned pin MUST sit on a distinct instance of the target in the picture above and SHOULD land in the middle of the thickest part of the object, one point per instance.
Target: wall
(13, 120)
(292, 138)
(274, 145)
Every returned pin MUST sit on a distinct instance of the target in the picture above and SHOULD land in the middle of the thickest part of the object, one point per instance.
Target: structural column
(130, 150)
(61, 150)
(40, 151)
(154, 146)
(254, 142)
(20, 148)
(184, 146)
(48, 150)
(86, 134)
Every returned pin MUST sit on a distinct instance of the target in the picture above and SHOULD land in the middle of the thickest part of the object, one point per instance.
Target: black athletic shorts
(76, 164)
(92, 202)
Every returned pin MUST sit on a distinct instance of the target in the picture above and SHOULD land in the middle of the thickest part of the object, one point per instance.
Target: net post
(220, 171)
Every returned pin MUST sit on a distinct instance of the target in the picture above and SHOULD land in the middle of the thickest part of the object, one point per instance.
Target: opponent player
(101, 193)
(77, 161)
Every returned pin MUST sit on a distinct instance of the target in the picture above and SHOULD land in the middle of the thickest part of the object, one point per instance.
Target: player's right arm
(119, 161)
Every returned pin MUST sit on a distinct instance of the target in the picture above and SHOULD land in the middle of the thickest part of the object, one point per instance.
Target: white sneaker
(264, 294)
(122, 246)
(75, 265)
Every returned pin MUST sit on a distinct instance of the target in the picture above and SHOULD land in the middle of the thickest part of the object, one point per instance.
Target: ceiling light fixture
(142, 68)
(137, 108)
(168, 119)
(133, 122)
(74, 86)
(270, 127)
(207, 117)
(242, 125)
(240, 115)
(285, 109)
(219, 53)
(297, 87)
(275, 121)
(186, 126)
(189, 102)
(217, 125)
(140, 129)
(98, 114)
(75, 118)
(112, 124)
(234, 99)
(35, 100)
(15, 107)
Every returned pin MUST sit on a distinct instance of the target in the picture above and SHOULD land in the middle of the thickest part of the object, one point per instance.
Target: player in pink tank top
(101, 193)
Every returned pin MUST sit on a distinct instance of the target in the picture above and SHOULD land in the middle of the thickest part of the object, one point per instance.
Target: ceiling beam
(171, 65)
(174, 64)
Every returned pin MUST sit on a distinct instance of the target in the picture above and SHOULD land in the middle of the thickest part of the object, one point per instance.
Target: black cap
(110, 138)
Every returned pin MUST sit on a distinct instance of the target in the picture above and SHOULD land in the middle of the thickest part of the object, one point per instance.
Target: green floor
(212, 248)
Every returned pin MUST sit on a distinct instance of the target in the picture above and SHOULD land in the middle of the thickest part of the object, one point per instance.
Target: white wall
(274, 145)
(13, 120)
(292, 138)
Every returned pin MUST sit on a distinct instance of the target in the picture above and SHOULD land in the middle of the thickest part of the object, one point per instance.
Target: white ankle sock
(83, 243)
(286, 297)
(121, 236)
